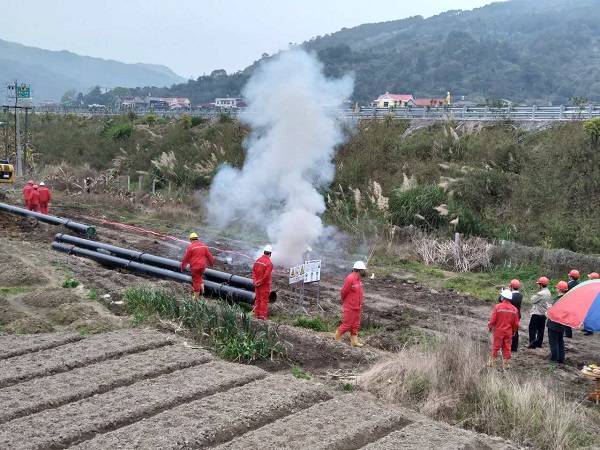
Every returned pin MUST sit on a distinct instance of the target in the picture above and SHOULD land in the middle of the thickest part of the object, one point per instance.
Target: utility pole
(18, 134)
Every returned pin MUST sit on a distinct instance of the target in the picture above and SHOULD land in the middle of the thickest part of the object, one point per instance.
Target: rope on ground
(166, 236)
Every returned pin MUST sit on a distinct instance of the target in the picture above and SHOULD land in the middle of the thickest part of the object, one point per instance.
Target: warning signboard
(296, 274)
(312, 271)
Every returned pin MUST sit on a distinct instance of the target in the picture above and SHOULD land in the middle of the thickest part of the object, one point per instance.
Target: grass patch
(450, 383)
(314, 323)
(347, 387)
(93, 294)
(226, 328)
(15, 290)
(299, 373)
(70, 283)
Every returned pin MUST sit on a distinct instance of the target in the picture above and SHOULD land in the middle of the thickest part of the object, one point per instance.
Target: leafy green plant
(93, 294)
(120, 132)
(416, 207)
(313, 323)
(227, 328)
(299, 373)
(70, 283)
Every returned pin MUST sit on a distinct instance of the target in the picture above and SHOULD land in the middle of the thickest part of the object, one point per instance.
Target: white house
(388, 100)
(229, 102)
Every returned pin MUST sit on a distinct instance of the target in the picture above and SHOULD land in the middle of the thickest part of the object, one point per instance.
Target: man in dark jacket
(517, 301)
(556, 331)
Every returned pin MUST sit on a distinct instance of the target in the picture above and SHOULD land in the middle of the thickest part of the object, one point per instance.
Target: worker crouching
(198, 257)
(504, 323)
(262, 276)
(352, 302)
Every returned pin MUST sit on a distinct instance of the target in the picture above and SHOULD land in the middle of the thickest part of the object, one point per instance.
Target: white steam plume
(291, 110)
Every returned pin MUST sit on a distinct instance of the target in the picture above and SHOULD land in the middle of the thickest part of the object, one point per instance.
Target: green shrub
(197, 120)
(70, 283)
(313, 323)
(416, 207)
(120, 132)
(149, 119)
(226, 328)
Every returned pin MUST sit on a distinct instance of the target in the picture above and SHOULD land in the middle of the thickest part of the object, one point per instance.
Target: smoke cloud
(291, 111)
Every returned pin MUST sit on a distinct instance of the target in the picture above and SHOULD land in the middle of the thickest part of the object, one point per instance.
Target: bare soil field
(168, 395)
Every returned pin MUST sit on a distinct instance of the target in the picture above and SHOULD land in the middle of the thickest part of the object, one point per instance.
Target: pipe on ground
(211, 288)
(158, 261)
(88, 230)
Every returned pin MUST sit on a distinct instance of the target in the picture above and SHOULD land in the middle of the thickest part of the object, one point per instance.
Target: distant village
(175, 104)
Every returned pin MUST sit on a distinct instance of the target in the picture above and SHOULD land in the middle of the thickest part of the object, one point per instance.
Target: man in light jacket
(537, 323)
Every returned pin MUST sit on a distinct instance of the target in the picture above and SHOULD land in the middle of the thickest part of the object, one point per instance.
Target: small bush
(313, 323)
(120, 132)
(416, 207)
(197, 120)
(227, 328)
(70, 283)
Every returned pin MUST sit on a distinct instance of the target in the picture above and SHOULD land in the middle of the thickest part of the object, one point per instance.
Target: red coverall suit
(198, 256)
(352, 302)
(26, 193)
(45, 197)
(504, 322)
(34, 200)
(262, 278)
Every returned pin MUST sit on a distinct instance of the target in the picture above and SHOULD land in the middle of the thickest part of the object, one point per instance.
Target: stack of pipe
(216, 284)
(88, 230)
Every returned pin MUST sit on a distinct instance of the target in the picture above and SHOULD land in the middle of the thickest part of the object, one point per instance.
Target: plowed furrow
(343, 423)
(50, 392)
(215, 419)
(82, 420)
(78, 354)
(15, 345)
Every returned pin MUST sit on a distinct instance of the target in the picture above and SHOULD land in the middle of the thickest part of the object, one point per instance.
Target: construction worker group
(37, 197)
(503, 324)
(506, 315)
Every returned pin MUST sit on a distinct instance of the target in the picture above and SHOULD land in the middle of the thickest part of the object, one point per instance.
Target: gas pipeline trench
(217, 284)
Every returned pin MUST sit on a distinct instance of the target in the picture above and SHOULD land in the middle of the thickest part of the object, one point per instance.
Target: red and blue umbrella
(579, 308)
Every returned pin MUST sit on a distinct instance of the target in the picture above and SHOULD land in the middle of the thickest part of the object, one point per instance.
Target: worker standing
(556, 331)
(26, 192)
(198, 257)
(45, 197)
(517, 301)
(504, 323)
(574, 276)
(352, 297)
(262, 276)
(34, 199)
(537, 323)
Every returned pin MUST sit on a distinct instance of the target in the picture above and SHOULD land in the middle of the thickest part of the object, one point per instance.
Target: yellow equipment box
(7, 172)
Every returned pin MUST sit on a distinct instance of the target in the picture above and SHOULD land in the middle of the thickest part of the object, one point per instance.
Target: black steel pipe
(157, 261)
(211, 288)
(88, 230)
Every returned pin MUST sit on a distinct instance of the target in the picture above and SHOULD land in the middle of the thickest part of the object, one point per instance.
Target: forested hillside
(523, 50)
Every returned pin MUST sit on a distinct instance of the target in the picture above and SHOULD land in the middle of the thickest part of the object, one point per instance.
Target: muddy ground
(398, 312)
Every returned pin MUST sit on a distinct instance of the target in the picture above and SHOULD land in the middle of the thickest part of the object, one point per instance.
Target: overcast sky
(193, 37)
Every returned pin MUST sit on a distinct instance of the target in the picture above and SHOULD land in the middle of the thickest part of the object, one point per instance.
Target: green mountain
(524, 50)
(51, 73)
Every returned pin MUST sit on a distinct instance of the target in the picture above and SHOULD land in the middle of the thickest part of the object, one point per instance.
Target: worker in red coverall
(45, 197)
(34, 199)
(262, 276)
(352, 303)
(198, 257)
(26, 191)
(504, 323)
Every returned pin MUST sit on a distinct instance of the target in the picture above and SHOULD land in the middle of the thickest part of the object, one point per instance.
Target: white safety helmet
(506, 294)
(268, 249)
(42, 183)
(359, 265)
